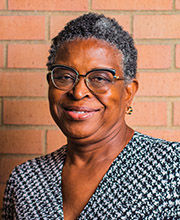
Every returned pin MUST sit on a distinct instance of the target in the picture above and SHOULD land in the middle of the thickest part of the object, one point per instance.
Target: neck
(105, 149)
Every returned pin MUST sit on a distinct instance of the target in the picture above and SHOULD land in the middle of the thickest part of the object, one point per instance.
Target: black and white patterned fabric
(142, 183)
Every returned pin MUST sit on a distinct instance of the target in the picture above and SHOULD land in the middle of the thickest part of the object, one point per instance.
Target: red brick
(148, 114)
(2, 4)
(49, 5)
(34, 57)
(177, 113)
(167, 134)
(159, 84)
(32, 112)
(123, 20)
(58, 22)
(22, 27)
(154, 56)
(2, 56)
(8, 164)
(2, 189)
(177, 4)
(55, 140)
(29, 84)
(178, 56)
(132, 4)
(21, 141)
(156, 26)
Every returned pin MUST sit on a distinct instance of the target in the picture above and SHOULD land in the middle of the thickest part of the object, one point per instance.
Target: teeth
(79, 112)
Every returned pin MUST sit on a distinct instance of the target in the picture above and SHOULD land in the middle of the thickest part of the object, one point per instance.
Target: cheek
(114, 100)
(55, 97)
(115, 107)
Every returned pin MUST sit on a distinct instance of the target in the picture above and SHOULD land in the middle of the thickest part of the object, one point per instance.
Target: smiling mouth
(79, 113)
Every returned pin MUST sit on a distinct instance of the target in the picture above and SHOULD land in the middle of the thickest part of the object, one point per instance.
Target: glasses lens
(63, 78)
(100, 80)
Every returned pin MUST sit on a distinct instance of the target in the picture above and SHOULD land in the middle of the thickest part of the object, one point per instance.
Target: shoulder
(30, 181)
(156, 144)
(156, 153)
(149, 170)
(40, 166)
(146, 138)
(28, 175)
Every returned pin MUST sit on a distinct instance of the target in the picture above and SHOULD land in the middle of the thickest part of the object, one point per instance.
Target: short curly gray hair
(103, 28)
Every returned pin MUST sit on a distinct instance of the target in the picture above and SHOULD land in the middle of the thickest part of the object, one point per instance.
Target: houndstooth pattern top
(141, 183)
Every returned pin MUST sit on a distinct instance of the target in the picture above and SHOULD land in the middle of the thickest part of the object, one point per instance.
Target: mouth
(79, 113)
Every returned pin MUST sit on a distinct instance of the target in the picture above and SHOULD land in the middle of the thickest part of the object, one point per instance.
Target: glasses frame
(112, 71)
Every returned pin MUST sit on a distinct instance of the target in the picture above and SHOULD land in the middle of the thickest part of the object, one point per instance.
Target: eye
(63, 75)
(100, 77)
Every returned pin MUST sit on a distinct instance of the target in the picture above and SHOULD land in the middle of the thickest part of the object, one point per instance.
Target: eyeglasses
(97, 80)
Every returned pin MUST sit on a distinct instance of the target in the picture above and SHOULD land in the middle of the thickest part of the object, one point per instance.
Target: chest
(78, 186)
(125, 191)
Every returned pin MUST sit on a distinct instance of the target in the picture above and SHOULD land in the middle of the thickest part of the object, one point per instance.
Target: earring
(129, 110)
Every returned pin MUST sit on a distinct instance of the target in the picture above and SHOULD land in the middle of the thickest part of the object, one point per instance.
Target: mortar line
(47, 24)
(6, 55)
(139, 12)
(132, 25)
(174, 56)
(174, 5)
(172, 116)
(89, 5)
(6, 5)
(160, 128)
(27, 127)
(169, 114)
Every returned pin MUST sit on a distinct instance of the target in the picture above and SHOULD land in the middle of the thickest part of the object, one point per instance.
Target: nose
(80, 90)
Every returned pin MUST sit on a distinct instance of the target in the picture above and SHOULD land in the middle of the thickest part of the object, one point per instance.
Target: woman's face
(81, 114)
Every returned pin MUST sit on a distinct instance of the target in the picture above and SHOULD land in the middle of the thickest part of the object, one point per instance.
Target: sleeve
(8, 211)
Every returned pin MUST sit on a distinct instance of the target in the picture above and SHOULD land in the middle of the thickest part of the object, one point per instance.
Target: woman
(106, 170)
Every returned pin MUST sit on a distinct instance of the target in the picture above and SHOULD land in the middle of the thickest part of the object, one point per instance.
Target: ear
(131, 89)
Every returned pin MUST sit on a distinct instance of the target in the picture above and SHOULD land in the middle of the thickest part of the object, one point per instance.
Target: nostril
(80, 90)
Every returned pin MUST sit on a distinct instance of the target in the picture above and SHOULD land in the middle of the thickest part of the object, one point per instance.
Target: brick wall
(26, 27)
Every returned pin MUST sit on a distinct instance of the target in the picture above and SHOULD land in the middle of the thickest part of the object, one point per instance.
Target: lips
(79, 113)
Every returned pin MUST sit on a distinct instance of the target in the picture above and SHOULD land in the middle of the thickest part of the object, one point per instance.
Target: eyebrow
(95, 68)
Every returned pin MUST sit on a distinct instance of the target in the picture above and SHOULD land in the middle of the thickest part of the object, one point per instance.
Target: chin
(77, 131)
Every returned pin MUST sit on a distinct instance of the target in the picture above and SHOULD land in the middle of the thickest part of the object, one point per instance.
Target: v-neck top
(141, 183)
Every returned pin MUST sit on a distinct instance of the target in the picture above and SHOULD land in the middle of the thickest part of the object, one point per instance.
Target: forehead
(89, 51)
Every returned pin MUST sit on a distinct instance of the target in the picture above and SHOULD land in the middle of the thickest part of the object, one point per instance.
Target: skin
(94, 141)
